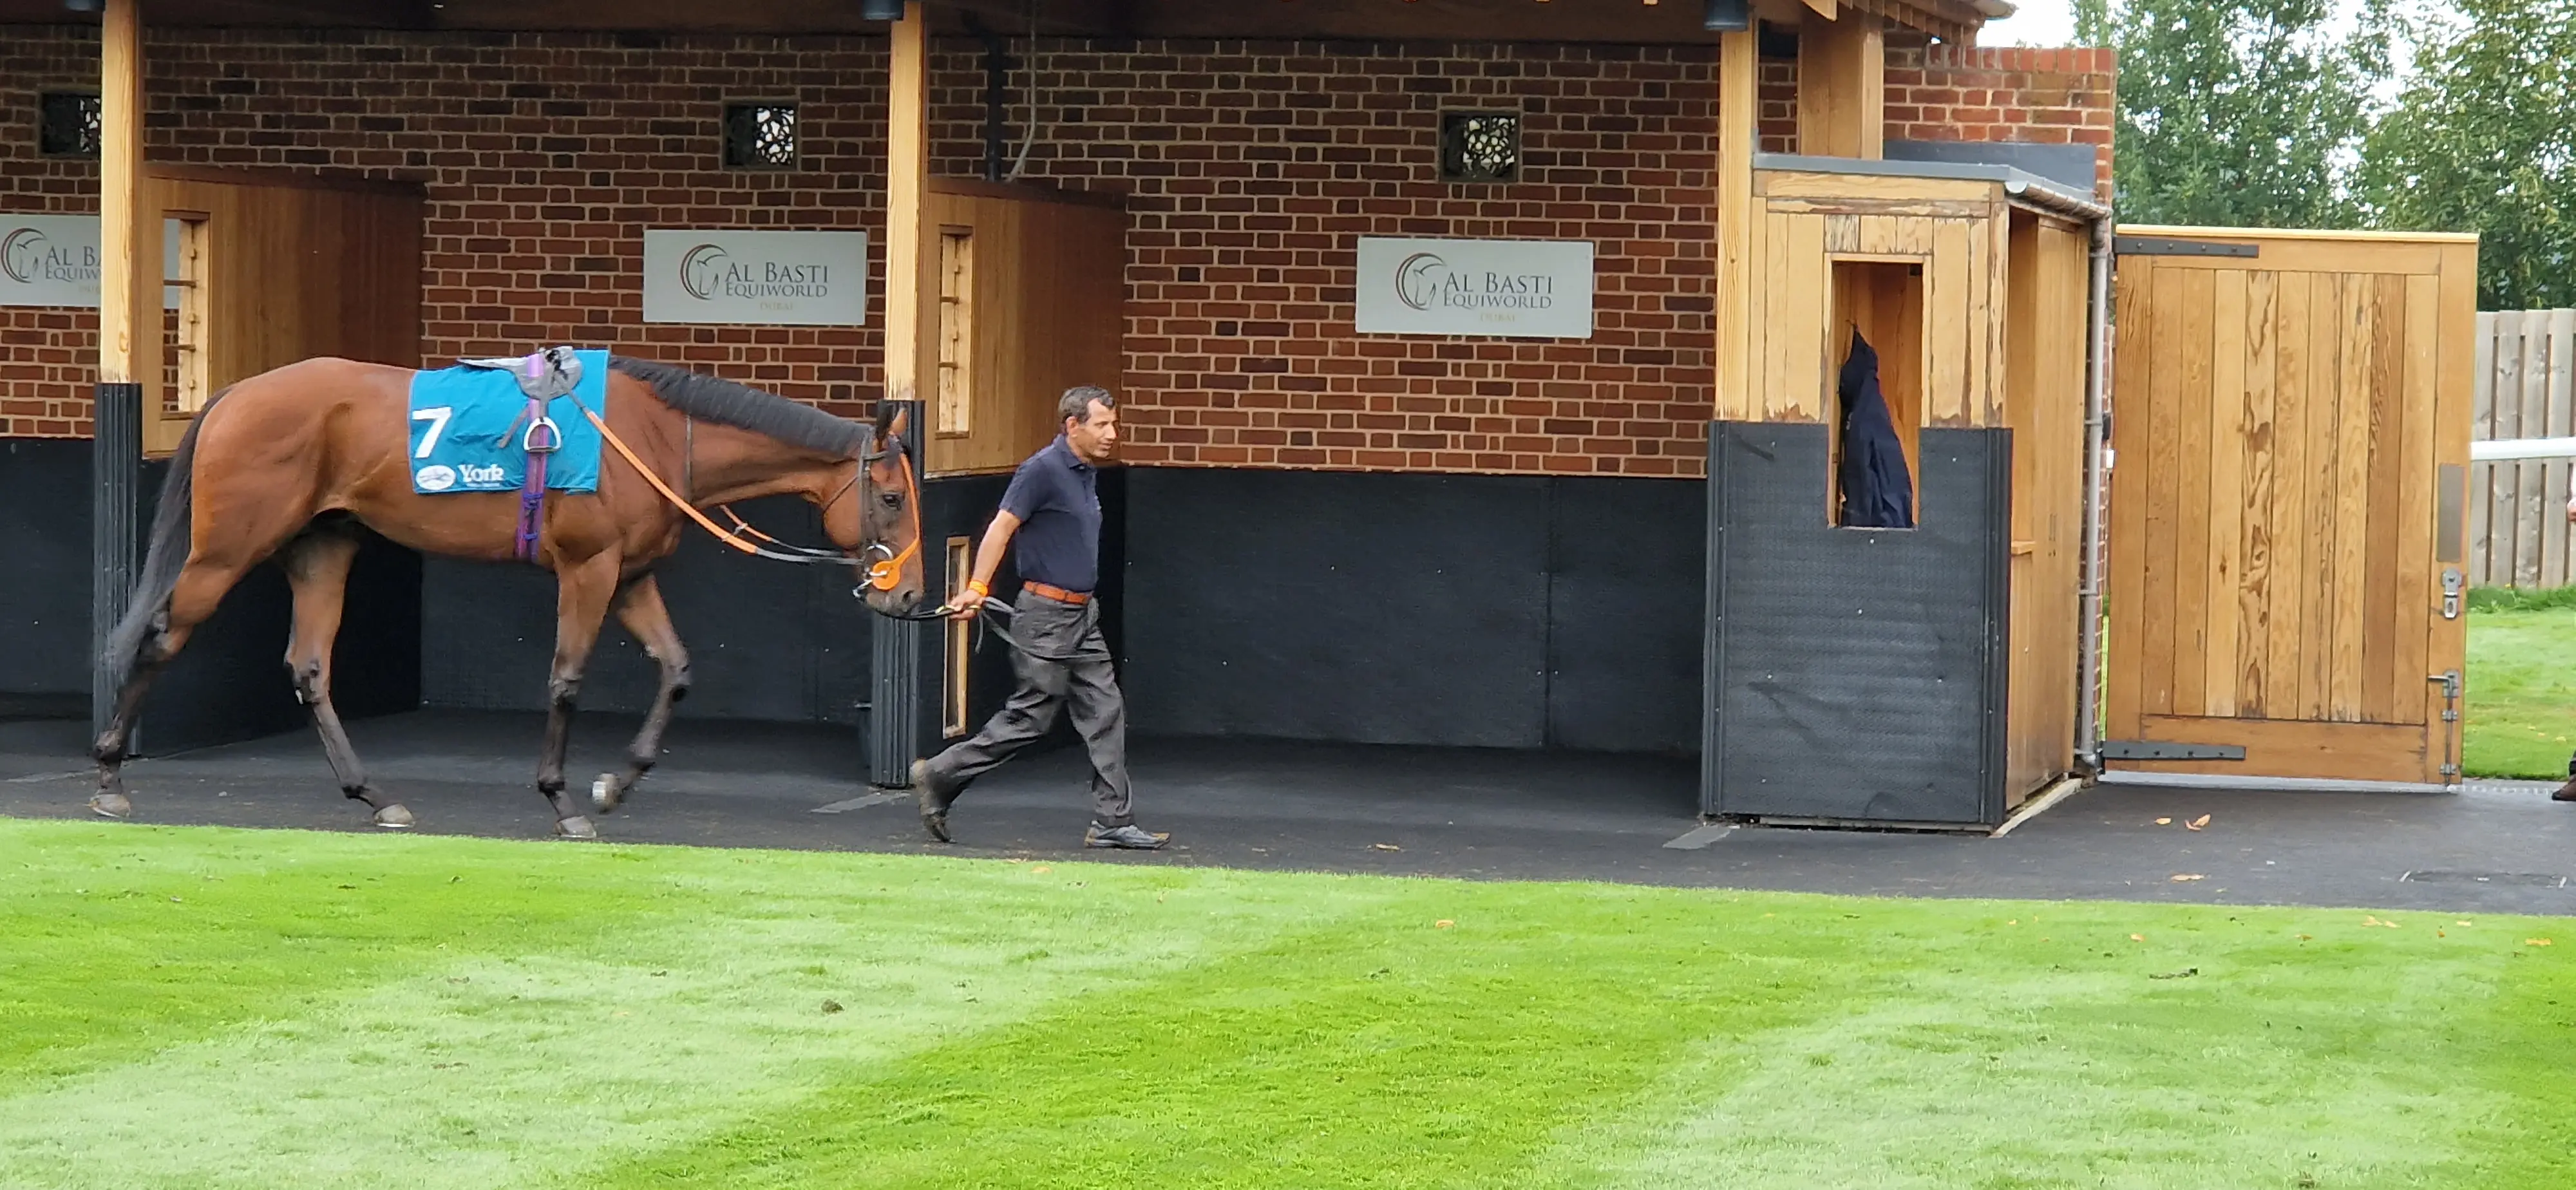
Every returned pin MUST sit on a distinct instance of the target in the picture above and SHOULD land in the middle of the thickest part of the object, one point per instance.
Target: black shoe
(1130, 837)
(934, 804)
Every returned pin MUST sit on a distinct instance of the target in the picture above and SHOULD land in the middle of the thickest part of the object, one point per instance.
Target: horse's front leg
(582, 594)
(640, 609)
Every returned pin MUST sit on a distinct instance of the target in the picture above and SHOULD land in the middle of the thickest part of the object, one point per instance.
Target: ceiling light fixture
(1728, 16)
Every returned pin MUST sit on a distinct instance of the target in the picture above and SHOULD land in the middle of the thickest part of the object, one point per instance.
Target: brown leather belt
(1056, 593)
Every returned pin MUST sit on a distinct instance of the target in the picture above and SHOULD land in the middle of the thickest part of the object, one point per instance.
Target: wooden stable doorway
(2290, 419)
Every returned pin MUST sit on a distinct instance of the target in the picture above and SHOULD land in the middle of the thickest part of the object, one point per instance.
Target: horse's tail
(172, 540)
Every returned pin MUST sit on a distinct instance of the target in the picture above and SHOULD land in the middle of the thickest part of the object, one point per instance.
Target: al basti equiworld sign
(1535, 289)
(779, 278)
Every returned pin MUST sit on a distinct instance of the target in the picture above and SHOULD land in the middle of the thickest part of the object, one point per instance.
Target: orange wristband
(978, 588)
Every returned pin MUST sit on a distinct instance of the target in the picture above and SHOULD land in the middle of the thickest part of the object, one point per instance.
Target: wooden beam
(911, 288)
(1842, 86)
(129, 227)
(1738, 113)
(1622, 22)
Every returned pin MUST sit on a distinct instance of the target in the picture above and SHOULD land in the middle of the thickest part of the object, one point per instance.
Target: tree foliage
(2235, 113)
(2483, 139)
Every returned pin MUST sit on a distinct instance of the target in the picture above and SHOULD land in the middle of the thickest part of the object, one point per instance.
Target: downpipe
(2097, 386)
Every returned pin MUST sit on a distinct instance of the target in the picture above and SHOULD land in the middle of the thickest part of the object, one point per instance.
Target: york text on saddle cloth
(469, 427)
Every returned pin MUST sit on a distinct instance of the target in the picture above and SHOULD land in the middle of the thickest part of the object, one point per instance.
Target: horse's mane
(713, 399)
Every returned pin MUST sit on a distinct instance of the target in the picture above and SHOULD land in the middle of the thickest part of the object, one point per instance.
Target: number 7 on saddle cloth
(469, 427)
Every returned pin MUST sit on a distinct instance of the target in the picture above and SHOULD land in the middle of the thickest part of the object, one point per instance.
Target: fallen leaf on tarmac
(2185, 973)
(2197, 823)
(2180, 877)
(2137, 937)
(2164, 822)
(1386, 846)
(2535, 941)
(1442, 924)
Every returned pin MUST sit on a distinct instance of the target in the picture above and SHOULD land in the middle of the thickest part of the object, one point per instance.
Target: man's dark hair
(1076, 404)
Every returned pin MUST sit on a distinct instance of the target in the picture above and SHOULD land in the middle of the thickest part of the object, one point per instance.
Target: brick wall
(1244, 213)
(2003, 93)
(544, 159)
(1250, 169)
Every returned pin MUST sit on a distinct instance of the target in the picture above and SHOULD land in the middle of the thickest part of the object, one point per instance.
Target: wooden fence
(2519, 535)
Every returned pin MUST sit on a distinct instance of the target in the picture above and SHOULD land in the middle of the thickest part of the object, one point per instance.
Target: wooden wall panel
(1050, 300)
(297, 266)
(2282, 425)
(2043, 401)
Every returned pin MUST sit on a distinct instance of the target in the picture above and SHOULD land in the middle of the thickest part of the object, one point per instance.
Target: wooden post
(1738, 110)
(911, 292)
(1842, 86)
(129, 338)
(911, 303)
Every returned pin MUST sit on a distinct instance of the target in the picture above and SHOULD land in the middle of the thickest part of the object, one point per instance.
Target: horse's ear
(885, 419)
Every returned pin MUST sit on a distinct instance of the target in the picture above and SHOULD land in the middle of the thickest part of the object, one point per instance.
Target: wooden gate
(2290, 414)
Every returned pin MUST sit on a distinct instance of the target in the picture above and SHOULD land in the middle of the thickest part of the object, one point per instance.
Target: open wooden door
(2287, 580)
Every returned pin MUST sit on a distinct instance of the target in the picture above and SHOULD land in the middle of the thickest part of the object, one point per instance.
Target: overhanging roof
(1633, 22)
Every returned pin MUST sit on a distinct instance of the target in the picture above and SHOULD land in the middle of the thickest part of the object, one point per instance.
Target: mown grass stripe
(2278, 1063)
(509, 1069)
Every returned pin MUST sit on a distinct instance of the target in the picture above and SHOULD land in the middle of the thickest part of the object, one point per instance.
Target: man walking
(1052, 508)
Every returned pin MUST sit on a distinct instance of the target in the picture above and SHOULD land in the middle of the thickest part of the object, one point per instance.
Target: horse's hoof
(575, 827)
(111, 805)
(2566, 793)
(394, 818)
(605, 794)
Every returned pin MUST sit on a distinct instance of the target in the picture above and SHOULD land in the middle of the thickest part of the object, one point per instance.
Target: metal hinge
(2173, 246)
(2161, 750)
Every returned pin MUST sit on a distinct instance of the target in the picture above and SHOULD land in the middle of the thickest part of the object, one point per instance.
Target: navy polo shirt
(1058, 503)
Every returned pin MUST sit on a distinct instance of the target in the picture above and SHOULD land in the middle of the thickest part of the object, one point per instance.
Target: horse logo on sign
(20, 253)
(700, 269)
(1417, 280)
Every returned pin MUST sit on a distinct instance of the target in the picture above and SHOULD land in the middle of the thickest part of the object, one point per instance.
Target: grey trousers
(1071, 667)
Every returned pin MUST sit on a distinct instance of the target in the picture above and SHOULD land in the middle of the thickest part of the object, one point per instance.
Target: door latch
(2452, 584)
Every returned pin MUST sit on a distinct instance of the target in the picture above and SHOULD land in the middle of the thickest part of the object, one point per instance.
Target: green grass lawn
(186, 1007)
(2521, 696)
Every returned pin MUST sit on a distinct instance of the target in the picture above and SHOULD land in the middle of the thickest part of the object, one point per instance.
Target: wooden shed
(1942, 658)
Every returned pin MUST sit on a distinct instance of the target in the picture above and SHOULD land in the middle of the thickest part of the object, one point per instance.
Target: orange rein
(883, 574)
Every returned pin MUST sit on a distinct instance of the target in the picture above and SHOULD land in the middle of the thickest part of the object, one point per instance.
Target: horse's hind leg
(582, 595)
(317, 569)
(200, 589)
(639, 607)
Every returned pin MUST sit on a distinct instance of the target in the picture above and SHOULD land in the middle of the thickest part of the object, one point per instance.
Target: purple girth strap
(540, 442)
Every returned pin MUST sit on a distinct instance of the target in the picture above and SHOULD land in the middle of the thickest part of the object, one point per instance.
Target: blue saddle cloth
(468, 425)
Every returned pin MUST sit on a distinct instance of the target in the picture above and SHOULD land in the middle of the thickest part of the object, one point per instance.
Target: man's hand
(971, 600)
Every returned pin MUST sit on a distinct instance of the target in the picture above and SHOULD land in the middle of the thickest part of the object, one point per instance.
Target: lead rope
(882, 574)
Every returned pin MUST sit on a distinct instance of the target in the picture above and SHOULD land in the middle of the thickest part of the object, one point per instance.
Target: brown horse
(285, 464)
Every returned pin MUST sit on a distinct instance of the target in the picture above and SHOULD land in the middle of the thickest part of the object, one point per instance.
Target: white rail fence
(2523, 449)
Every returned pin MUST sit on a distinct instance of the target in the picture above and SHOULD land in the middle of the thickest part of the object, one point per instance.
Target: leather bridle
(885, 572)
